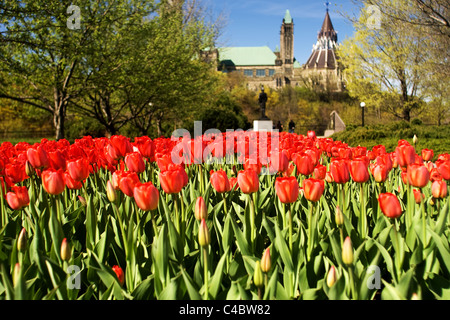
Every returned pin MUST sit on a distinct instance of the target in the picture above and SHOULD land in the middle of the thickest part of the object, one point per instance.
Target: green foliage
(431, 137)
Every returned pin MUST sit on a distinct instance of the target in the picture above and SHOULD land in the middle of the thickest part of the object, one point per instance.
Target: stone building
(275, 69)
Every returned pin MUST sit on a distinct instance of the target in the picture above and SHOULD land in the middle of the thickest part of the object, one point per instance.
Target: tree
(386, 66)
(45, 44)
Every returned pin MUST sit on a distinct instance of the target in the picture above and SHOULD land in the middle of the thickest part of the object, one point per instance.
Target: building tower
(322, 65)
(286, 58)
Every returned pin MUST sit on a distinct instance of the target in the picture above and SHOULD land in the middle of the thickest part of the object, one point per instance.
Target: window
(248, 73)
(271, 72)
(260, 73)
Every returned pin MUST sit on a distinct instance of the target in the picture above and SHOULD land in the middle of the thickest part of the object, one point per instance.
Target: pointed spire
(287, 17)
(327, 29)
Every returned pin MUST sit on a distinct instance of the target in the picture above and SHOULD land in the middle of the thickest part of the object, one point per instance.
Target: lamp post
(362, 105)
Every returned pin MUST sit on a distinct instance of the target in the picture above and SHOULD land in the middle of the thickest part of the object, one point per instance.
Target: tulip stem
(397, 251)
(2, 204)
(352, 283)
(290, 227)
(310, 230)
(225, 210)
(362, 214)
(201, 178)
(155, 229)
(252, 221)
(424, 223)
(205, 269)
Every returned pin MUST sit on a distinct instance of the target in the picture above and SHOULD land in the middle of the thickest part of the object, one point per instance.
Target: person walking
(279, 126)
(291, 126)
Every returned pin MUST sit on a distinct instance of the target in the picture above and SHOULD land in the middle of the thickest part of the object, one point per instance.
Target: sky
(258, 22)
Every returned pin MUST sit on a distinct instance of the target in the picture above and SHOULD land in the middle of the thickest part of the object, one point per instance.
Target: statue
(262, 103)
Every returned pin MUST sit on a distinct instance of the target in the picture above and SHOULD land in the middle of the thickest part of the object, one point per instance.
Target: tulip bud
(16, 274)
(432, 201)
(258, 276)
(414, 296)
(347, 252)
(120, 275)
(82, 200)
(22, 241)
(339, 217)
(203, 234)
(331, 277)
(200, 210)
(29, 169)
(415, 139)
(266, 263)
(66, 251)
(110, 191)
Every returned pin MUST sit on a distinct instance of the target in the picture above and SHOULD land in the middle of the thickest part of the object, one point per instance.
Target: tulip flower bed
(312, 218)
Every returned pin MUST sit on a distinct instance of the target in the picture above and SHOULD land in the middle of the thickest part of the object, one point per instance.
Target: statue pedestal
(263, 125)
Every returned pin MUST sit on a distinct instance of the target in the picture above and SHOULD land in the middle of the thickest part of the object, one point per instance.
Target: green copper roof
(287, 17)
(247, 56)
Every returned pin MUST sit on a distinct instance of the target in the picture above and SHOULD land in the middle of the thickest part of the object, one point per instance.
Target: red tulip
(313, 189)
(379, 172)
(57, 160)
(346, 153)
(281, 164)
(248, 164)
(339, 170)
(386, 160)
(443, 167)
(115, 178)
(38, 157)
(311, 134)
(121, 145)
(319, 172)
(163, 161)
(427, 154)
(248, 181)
(18, 197)
(418, 196)
(405, 154)
(127, 182)
(418, 175)
(120, 274)
(53, 181)
(146, 196)
(173, 179)
(390, 205)
(435, 175)
(219, 181)
(78, 169)
(15, 171)
(135, 162)
(439, 189)
(304, 163)
(359, 170)
(71, 183)
(287, 189)
(329, 177)
(233, 183)
(145, 146)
